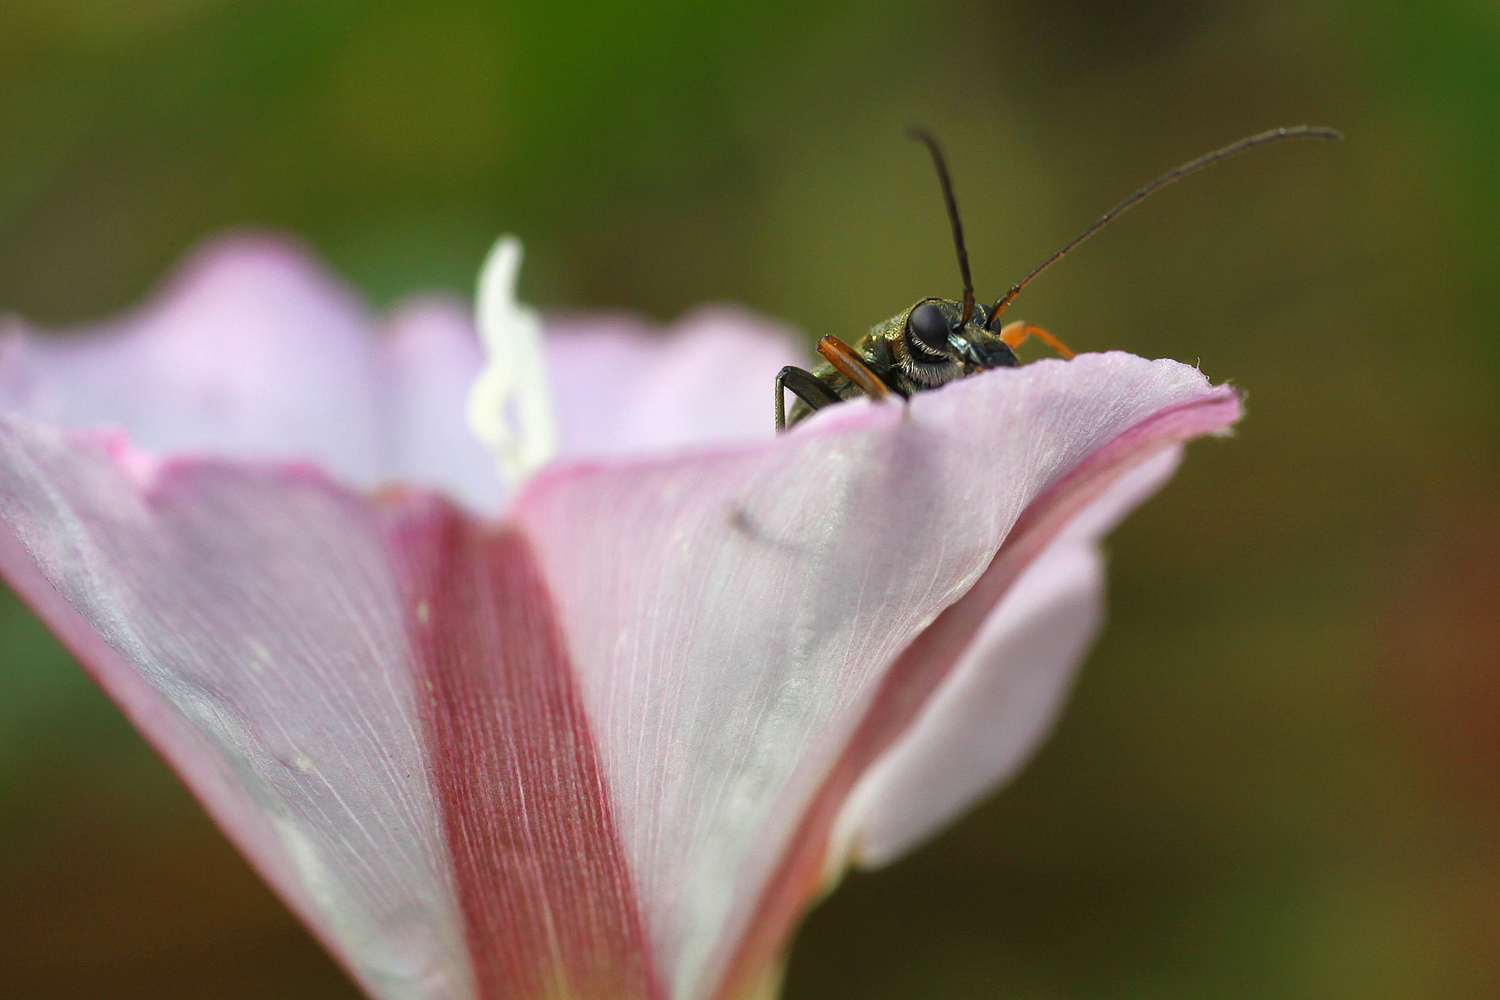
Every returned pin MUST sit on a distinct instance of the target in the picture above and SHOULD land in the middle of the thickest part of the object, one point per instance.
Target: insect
(939, 340)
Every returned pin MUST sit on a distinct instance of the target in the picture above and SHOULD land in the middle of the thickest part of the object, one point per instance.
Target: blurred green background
(1280, 775)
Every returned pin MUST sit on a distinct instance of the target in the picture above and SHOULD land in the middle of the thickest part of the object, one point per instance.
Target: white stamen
(510, 406)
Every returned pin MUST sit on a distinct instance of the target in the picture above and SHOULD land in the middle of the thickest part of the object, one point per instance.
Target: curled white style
(510, 406)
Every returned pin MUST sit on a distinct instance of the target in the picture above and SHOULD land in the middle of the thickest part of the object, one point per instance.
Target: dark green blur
(1280, 775)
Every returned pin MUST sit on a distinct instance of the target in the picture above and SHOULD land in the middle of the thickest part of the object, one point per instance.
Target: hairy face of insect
(930, 348)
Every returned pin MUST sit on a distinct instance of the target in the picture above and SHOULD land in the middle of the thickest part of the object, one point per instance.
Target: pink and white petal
(1065, 507)
(540, 872)
(733, 618)
(251, 349)
(621, 387)
(250, 621)
(430, 357)
(1001, 697)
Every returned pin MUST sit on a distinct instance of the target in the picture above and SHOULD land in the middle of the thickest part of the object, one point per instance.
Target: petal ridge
(732, 609)
(1001, 696)
(541, 877)
(920, 668)
(247, 617)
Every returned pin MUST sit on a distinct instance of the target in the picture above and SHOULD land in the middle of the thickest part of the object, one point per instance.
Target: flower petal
(1067, 504)
(250, 350)
(1002, 695)
(622, 387)
(538, 866)
(430, 357)
(371, 699)
(253, 350)
(733, 616)
(249, 621)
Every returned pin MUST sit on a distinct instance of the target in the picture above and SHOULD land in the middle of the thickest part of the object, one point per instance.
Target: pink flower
(604, 737)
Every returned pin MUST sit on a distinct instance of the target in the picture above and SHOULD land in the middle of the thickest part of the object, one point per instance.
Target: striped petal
(372, 697)
(610, 744)
(250, 621)
(734, 617)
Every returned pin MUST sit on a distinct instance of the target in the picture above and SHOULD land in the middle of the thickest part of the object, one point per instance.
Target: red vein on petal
(540, 873)
(923, 665)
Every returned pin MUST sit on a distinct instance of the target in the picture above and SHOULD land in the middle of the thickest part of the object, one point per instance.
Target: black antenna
(1193, 166)
(923, 136)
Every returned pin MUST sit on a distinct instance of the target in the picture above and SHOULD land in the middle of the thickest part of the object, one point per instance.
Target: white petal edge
(510, 406)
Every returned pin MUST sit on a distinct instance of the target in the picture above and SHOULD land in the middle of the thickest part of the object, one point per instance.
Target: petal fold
(733, 617)
(540, 874)
(1003, 694)
(250, 621)
(1069, 504)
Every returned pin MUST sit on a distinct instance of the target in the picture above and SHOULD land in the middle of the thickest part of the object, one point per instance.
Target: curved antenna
(930, 141)
(1191, 167)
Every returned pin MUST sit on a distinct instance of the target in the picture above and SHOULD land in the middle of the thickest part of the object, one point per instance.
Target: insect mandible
(939, 340)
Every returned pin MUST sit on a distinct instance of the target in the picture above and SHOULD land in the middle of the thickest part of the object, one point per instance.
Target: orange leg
(1015, 334)
(852, 366)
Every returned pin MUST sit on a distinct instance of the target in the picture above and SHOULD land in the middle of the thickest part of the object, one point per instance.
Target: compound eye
(928, 324)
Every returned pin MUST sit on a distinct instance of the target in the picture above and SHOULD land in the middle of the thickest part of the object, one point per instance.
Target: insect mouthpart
(984, 350)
